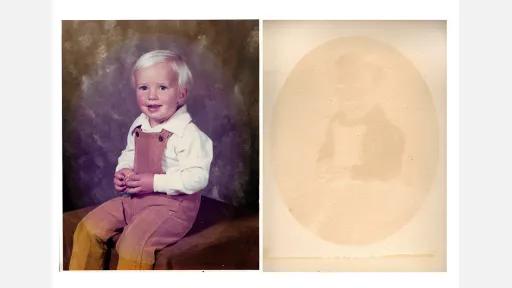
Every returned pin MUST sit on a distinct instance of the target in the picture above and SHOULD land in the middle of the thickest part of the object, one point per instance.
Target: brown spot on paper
(355, 141)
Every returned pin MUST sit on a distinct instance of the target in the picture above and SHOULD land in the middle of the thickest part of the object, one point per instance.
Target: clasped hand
(126, 180)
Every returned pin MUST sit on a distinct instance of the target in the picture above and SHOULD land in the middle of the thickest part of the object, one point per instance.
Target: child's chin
(157, 119)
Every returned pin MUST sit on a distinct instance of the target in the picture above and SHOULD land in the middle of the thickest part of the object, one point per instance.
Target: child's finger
(134, 177)
(119, 176)
(118, 182)
(132, 183)
(119, 188)
(133, 190)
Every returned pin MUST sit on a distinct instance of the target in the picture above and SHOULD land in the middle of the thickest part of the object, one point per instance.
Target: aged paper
(354, 145)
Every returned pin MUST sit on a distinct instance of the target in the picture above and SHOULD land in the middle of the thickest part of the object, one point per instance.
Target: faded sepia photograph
(160, 132)
(354, 138)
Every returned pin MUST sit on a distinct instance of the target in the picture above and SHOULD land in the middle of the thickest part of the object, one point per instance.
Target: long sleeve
(127, 157)
(194, 153)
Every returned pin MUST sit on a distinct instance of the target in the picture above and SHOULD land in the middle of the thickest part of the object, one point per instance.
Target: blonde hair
(176, 61)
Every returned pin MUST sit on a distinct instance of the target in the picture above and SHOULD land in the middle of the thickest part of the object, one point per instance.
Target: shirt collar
(176, 124)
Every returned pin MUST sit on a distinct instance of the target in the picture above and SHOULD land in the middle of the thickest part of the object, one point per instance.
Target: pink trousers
(146, 222)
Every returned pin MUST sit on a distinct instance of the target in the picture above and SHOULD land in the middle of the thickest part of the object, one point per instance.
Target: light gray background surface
(486, 141)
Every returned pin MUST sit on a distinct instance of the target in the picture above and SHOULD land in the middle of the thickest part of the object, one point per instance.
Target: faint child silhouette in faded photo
(361, 143)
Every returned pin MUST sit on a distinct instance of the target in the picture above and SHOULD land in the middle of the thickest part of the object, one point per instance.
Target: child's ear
(183, 95)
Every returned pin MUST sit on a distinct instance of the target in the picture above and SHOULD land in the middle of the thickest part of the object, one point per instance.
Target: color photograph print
(99, 105)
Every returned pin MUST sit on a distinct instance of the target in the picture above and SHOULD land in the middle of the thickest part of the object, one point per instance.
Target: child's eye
(163, 88)
(143, 87)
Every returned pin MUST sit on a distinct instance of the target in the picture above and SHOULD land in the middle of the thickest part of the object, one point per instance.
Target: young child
(165, 163)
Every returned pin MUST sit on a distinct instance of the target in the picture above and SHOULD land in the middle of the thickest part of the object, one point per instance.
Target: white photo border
(271, 10)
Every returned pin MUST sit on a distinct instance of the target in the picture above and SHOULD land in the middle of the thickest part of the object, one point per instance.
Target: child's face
(354, 86)
(158, 94)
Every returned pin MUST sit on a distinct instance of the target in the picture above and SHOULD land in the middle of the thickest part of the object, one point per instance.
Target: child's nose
(152, 94)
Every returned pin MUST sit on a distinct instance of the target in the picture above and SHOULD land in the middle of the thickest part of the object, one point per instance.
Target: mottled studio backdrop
(99, 102)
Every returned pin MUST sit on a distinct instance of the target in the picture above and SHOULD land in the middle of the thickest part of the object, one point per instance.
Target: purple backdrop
(99, 102)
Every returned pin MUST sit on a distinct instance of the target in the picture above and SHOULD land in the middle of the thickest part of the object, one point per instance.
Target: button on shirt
(187, 157)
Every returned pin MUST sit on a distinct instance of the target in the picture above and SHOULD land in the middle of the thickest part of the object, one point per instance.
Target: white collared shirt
(187, 157)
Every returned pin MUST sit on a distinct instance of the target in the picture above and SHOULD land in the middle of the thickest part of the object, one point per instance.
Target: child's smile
(158, 94)
(153, 107)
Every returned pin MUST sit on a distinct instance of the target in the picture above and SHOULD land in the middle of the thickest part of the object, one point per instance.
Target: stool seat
(222, 237)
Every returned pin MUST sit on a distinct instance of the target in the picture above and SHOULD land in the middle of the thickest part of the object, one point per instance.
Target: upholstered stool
(223, 237)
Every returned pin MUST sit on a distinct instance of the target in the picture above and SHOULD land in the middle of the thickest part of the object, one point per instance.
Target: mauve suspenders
(149, 150)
